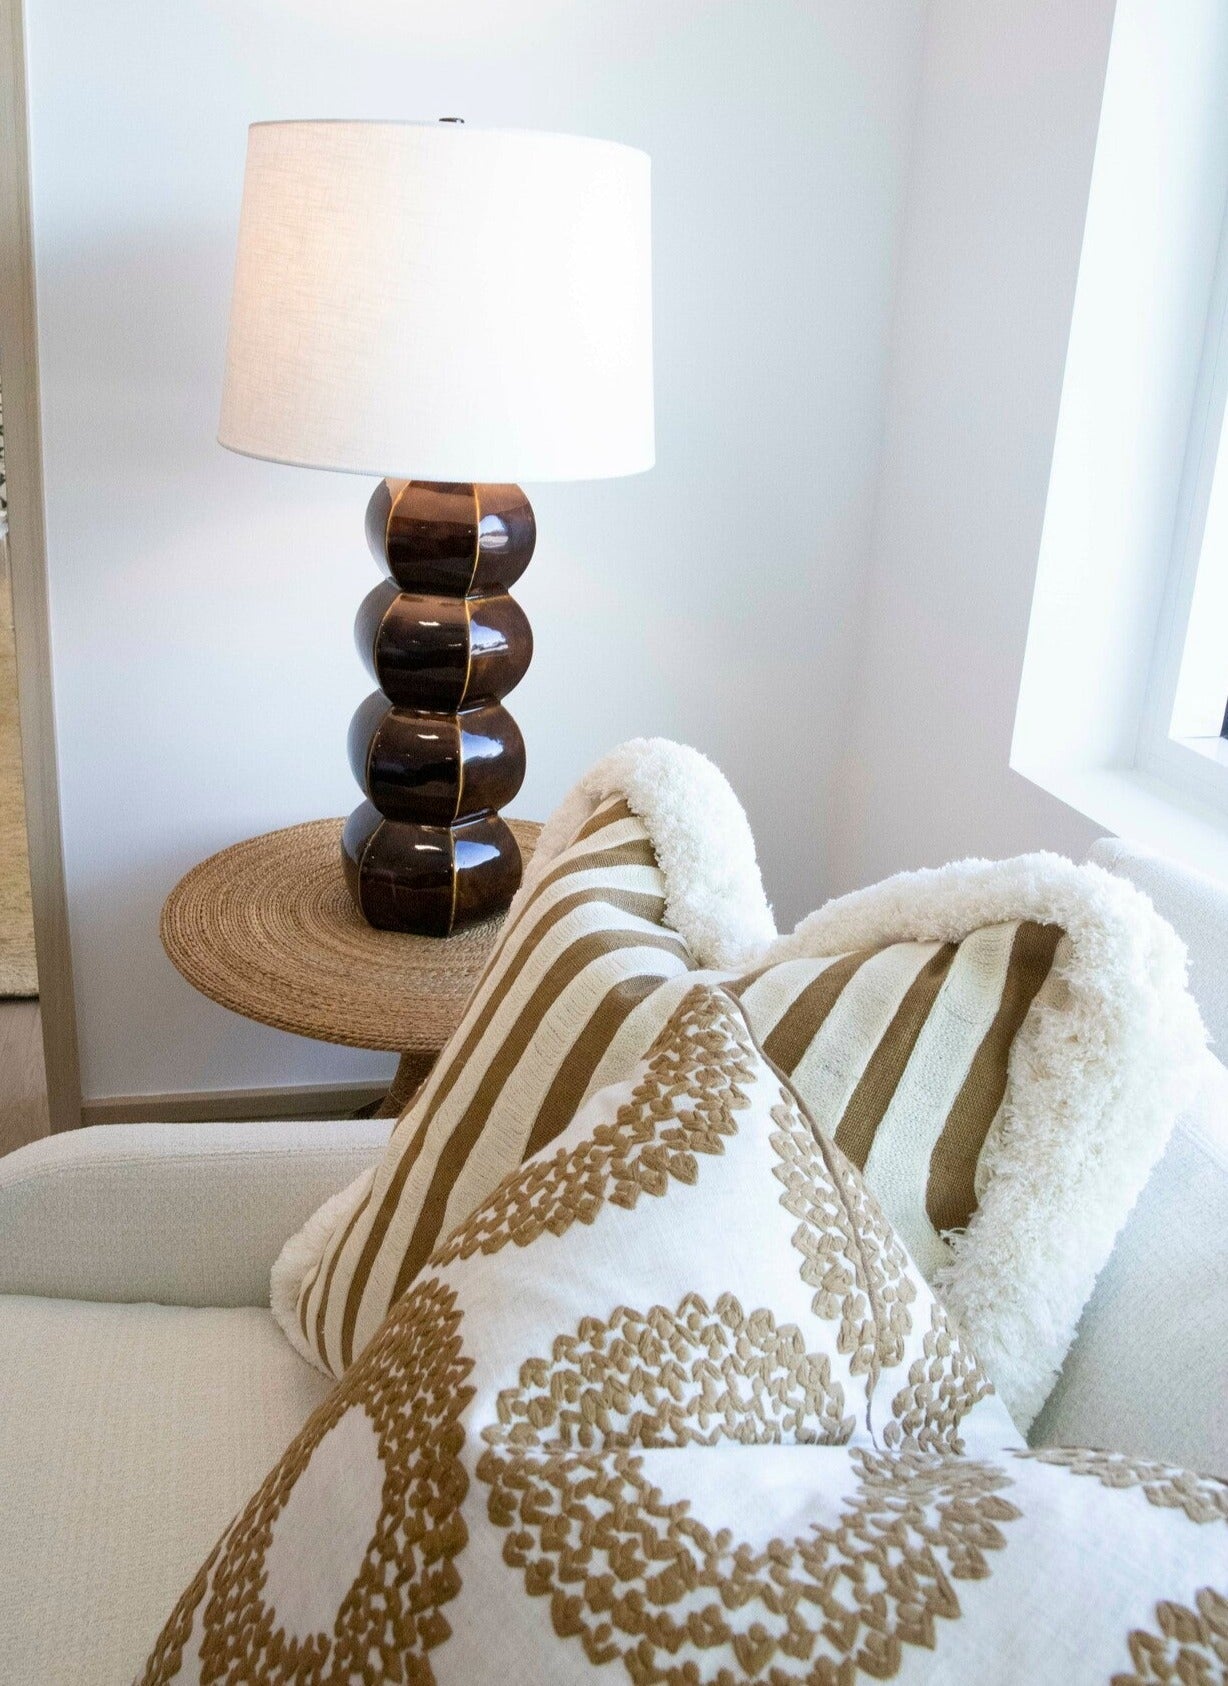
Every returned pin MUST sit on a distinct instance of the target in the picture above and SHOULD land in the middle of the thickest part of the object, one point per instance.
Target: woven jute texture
(267, 928)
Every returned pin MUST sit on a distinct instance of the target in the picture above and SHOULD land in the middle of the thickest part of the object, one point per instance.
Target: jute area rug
(17, 970)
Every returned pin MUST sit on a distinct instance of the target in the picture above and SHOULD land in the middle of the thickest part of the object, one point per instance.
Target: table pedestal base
(412, 1072)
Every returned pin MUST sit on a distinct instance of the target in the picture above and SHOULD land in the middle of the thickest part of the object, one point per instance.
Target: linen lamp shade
(443, 302)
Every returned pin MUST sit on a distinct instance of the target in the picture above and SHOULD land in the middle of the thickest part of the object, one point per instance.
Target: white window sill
(1215, 749)
(1144, 809)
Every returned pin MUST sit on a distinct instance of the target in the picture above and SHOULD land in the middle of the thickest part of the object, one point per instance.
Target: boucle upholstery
(135, 1211)
(1154, 1336)
(131, 1434)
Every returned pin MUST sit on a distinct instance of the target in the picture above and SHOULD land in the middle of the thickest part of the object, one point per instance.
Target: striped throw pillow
(575, 958)
(904, 1052)
(1001, 1047)
(901, 1053)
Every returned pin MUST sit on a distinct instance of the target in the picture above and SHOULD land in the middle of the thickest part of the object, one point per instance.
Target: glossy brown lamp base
(435, 752)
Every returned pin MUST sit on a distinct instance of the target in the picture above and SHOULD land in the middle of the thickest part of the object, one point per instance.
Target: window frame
(1197, 768)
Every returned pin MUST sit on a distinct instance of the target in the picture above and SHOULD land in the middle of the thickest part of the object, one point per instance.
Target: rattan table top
(267, 928)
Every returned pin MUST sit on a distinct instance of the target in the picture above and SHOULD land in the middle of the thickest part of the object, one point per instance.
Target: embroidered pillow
(1001, 1046)
(674, 1398)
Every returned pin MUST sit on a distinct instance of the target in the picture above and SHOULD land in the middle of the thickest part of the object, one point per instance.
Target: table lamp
(470, 307)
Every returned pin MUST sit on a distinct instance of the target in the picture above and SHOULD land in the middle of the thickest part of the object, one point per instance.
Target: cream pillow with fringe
(1002, 1046)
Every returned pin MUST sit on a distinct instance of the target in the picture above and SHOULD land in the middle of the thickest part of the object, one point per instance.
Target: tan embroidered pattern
(851, 1256)
(943, 1386)
(862, 1276)
(682, 1106)
(681, 1378)
(412, 1385)
(1201, 1497)
(167, 1655)
(639, 1579)
(1190, 1649)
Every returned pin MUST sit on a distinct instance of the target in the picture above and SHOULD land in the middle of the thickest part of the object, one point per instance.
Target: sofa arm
(181, 1214)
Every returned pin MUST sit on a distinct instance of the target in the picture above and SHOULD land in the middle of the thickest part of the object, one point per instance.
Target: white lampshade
(439, 302)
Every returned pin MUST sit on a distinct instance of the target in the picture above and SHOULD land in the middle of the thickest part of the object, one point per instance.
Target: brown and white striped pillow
(999, 1046)
(576, 957)
(902, 1054)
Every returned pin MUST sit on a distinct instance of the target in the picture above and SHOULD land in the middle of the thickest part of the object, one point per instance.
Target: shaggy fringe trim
(713, 891)
(1095, 1083)
(303, 1252)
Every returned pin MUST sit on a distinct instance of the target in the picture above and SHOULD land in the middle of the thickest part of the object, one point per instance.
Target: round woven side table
(268, 929)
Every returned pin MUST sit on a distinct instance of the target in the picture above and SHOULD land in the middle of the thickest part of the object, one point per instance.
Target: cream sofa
(145, 1390)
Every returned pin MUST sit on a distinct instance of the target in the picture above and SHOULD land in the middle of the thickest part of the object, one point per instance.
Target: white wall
(1001, 165)
(202, 603)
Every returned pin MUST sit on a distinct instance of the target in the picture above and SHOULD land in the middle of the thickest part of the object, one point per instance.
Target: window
(1124, 683)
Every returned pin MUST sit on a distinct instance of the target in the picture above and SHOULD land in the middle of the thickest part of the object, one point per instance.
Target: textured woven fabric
(183, 1214)
(129, 1436)
(1148, 1373)
(673, 1404)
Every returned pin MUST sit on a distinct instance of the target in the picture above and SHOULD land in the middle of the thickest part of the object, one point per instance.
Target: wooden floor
(23, 1087)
